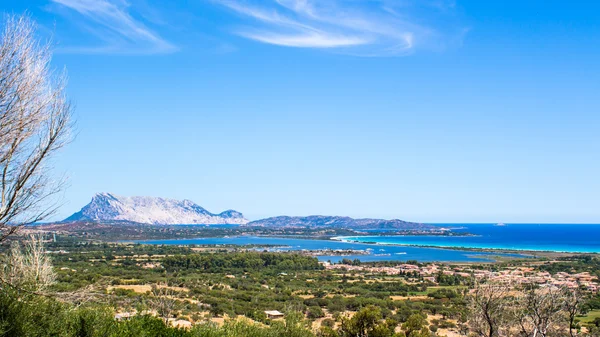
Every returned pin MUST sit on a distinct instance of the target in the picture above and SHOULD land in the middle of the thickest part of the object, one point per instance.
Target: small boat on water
(500, 224)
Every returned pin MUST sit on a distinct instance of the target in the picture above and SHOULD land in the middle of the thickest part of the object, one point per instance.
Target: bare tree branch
(539, 311)
(163, 301)
(488, 306)
(35, 122)
(526, 310)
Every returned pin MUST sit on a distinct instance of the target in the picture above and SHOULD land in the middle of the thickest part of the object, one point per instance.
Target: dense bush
(213, 263)
(39, 316)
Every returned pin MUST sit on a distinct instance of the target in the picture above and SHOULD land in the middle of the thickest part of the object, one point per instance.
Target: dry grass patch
(305, 297)
(143, 288)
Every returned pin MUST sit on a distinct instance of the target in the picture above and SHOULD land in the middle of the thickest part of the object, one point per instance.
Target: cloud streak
(364, 28)
(112, 22)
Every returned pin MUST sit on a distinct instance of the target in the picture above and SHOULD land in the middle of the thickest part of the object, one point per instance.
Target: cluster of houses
(430, 273)
(530, 275)
(425, 271)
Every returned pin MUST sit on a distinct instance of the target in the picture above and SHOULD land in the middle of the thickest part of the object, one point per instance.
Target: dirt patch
(143, 288)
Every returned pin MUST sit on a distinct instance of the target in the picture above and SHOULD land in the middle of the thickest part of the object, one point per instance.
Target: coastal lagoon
(572, 238)
(376, 252)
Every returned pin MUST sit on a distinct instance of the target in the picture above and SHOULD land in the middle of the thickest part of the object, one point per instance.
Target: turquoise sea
(575, 238)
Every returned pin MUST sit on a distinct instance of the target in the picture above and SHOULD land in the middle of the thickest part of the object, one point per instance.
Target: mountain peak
(152, 210)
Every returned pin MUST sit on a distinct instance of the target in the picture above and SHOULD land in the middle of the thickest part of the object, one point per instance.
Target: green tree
(367, 323)
(415, 326)
(314, 312)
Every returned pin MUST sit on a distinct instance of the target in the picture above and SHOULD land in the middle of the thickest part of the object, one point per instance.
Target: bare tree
(27, 267)
(35, 122)
(539, 310)
(163, 300)
(489, 303)
(573, 301)
(527, 310)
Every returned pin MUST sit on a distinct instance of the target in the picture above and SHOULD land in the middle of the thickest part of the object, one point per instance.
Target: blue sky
(431, 110)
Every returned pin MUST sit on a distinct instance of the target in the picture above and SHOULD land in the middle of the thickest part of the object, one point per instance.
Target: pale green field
(590, 316)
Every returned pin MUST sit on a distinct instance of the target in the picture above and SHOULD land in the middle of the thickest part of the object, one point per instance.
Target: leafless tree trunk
(488, 309)
(35, 122)
(573, 300)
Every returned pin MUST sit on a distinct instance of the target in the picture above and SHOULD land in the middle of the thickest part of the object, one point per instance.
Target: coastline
(349, 239)
(473, 251)
(531, 252)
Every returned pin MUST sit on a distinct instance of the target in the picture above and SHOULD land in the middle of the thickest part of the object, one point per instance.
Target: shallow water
(378, 253)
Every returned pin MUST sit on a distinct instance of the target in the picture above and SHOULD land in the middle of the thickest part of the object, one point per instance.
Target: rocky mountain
(149, 210)
(316, 221)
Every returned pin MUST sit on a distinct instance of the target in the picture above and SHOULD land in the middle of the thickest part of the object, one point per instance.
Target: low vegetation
(151, 290)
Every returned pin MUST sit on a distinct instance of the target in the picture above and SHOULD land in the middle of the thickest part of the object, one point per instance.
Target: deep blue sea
(574, 238)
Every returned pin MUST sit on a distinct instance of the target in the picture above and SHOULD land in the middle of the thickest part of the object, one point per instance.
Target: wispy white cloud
(367, 28)
(307, 40)
(112, 22)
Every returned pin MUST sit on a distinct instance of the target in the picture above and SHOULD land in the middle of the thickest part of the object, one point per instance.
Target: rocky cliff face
(150, 210)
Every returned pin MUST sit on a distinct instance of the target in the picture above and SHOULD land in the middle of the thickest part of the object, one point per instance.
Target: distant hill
(316, 221)
(106, 207)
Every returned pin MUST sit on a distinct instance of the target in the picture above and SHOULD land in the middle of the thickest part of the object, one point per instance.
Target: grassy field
(590, 317)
